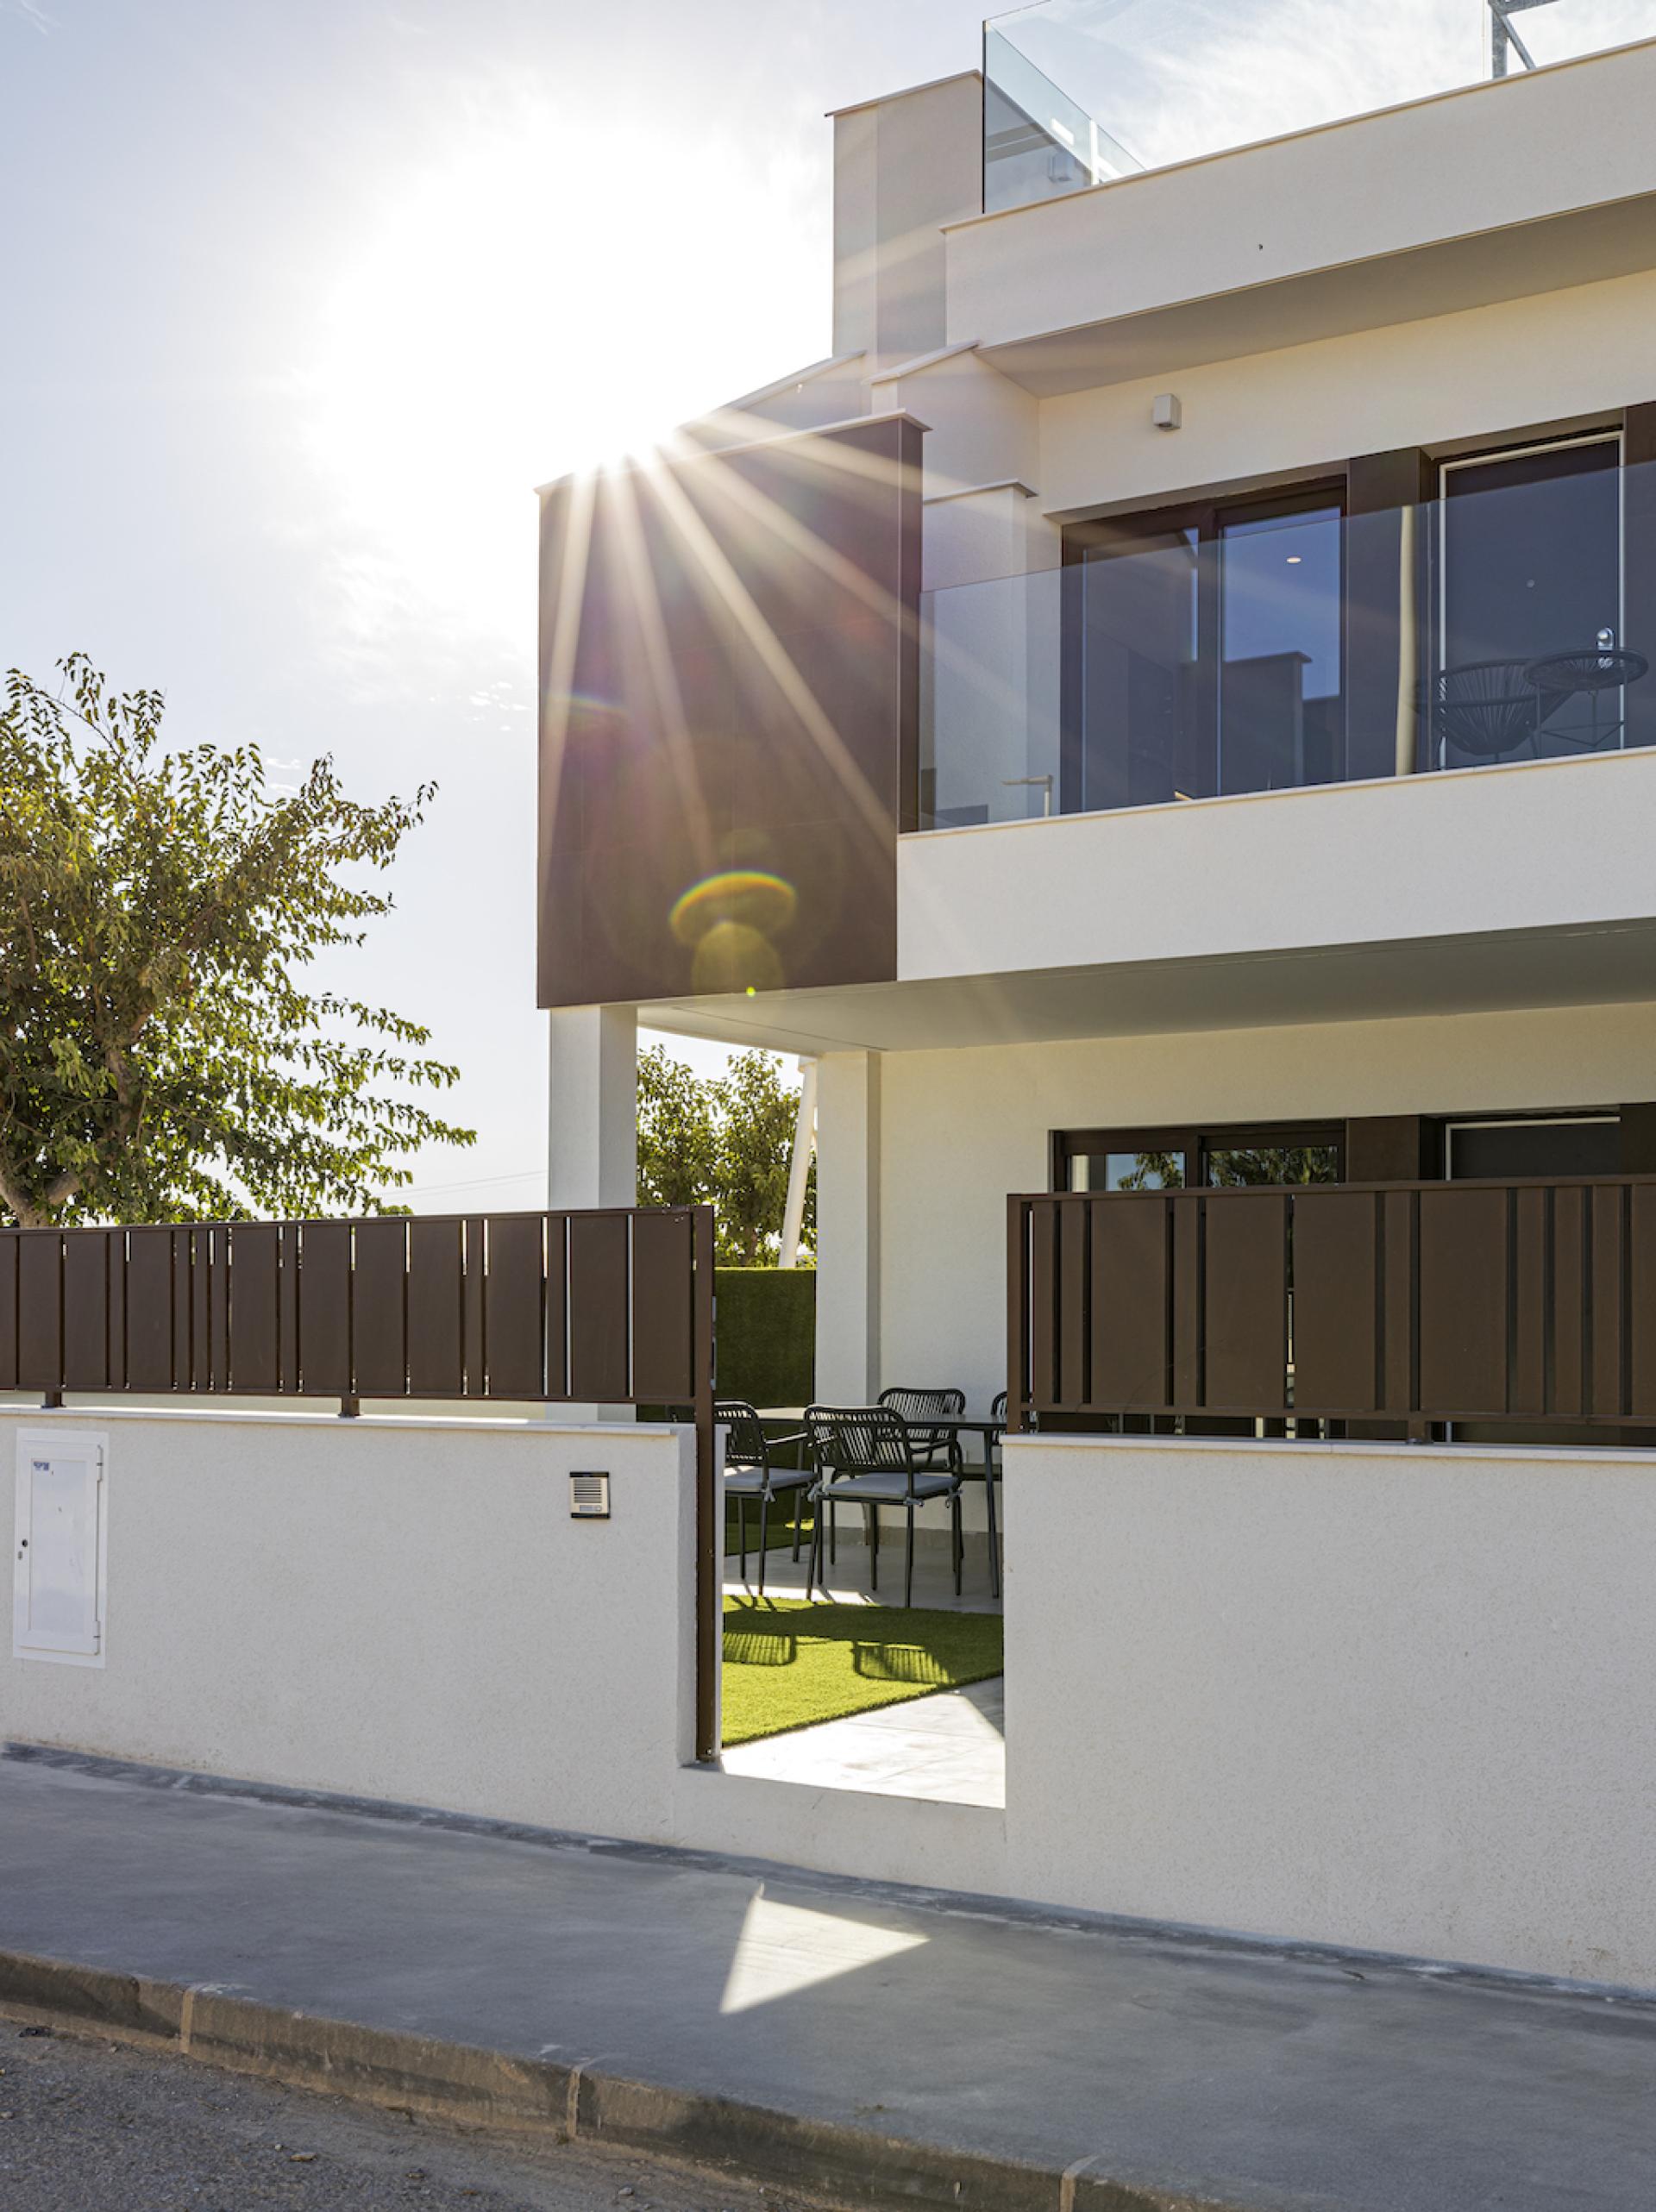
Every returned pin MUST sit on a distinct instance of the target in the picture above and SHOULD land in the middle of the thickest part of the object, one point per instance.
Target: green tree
(728, 1142)
(164, 1054)
(676, 1146)
(756, 1118)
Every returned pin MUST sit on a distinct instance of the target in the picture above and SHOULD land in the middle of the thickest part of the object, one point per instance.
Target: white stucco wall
(392, 1608)
(962, 1129)
(1474, 374)
(1468, 854)
(1390, 1698)
(404, 1609)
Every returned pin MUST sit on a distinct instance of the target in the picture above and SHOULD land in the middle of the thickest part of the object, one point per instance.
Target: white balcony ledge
(1491, 192)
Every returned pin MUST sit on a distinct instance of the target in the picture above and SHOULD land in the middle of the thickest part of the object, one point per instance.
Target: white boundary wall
(1387, 1697)
(1368, 1695)
(402, 1608)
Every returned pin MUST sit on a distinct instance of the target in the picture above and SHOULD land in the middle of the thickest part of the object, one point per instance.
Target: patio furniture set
(905, 1451)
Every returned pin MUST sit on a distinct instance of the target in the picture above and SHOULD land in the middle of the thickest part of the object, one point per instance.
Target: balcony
(1080, 93)
(1217, 651)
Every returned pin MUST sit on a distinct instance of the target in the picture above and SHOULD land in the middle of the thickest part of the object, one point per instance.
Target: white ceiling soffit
(1594, 965)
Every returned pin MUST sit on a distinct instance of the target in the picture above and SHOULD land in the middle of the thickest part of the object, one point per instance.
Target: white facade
(1472, 272)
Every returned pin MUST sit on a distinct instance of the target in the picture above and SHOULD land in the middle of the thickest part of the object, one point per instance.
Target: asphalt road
(89, 2126)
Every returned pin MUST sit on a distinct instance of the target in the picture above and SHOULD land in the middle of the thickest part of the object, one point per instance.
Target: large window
(1205, 653)
(1178, 1159)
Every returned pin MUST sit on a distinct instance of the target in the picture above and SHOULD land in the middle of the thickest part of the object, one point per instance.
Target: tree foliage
(728, 1141)
(164, 1054)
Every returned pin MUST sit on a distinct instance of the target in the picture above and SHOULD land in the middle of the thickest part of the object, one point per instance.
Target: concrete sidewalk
(810, 2031)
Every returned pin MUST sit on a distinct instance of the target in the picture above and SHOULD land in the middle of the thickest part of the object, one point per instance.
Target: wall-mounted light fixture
(1165, 411)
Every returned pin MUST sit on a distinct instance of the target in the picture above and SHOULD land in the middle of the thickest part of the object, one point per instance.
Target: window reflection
(1280, 687)
(1228, 1166)
(1126, 1171)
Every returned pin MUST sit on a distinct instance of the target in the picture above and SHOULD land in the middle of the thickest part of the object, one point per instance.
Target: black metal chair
(751, 1472)
(864, 1456)
(1490, 708)
(912, 1407)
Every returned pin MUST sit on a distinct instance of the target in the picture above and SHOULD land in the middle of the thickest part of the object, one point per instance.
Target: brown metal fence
(613, 1306)
(1416, 1303)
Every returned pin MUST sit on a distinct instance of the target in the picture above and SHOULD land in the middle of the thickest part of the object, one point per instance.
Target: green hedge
(768, 1334)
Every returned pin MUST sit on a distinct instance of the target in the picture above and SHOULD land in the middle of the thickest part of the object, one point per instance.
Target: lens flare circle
(746, 899)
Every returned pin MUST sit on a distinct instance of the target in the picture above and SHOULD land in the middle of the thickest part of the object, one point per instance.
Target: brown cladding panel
(1386, 1147)
(183, 1308)
(1132, 1347)
(85, 1310)
(150, 1309)
(1399, 1224)
(379, 1350)
(750, 707)
(1642, 1302)
(1043, 1302)
(557, 1306)
(598, 1307)
(1073, 1287)
(435, 1309)
(1336, 1303)
(201, 1312)
(664, 1321)
(255, 1256)
(325, 1309)
(1186, 1298)
(1529, 1267)
(472, 1307)
(1608, 1301)
(1463, 1284)
(40, 1309)
(512, 1314)
(287, 1307)
(8, 1247)
(1568, 1324)
(1246, 1300)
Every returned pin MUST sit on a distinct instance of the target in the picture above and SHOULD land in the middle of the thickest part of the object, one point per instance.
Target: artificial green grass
(789, 1662)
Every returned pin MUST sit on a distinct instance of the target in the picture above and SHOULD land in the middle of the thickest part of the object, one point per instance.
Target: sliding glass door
(1532, 661)
(1204, 653)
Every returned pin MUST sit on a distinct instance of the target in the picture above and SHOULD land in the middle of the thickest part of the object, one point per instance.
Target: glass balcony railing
(1078, 91)
(1210, 650)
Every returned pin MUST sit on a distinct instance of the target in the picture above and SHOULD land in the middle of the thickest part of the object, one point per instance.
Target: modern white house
(1164, 716)
(1169, 702)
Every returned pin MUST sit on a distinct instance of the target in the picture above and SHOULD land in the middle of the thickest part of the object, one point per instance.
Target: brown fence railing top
(1523, 1300)
(607, 1307)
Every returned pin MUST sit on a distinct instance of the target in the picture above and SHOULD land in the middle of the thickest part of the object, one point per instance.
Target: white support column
(848, 1228)
(799, 1173)
(593, 1126)
(592, 1107)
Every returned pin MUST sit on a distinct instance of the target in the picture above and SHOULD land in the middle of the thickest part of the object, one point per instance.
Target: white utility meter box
(60, 1547)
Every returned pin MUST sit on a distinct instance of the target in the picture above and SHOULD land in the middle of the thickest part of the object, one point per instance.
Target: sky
(303, 297)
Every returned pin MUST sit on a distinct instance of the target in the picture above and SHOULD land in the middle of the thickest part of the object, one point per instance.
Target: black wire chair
(1490, 708)
(751, 1472)
(864, 1456)
(912, 1407)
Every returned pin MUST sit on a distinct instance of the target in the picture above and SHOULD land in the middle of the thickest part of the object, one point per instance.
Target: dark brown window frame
(1192, 1139)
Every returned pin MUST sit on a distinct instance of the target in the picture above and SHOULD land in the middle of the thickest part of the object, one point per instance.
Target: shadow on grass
(789, 1664)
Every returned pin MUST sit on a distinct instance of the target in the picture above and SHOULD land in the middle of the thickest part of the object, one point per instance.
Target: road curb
(481, 2088)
